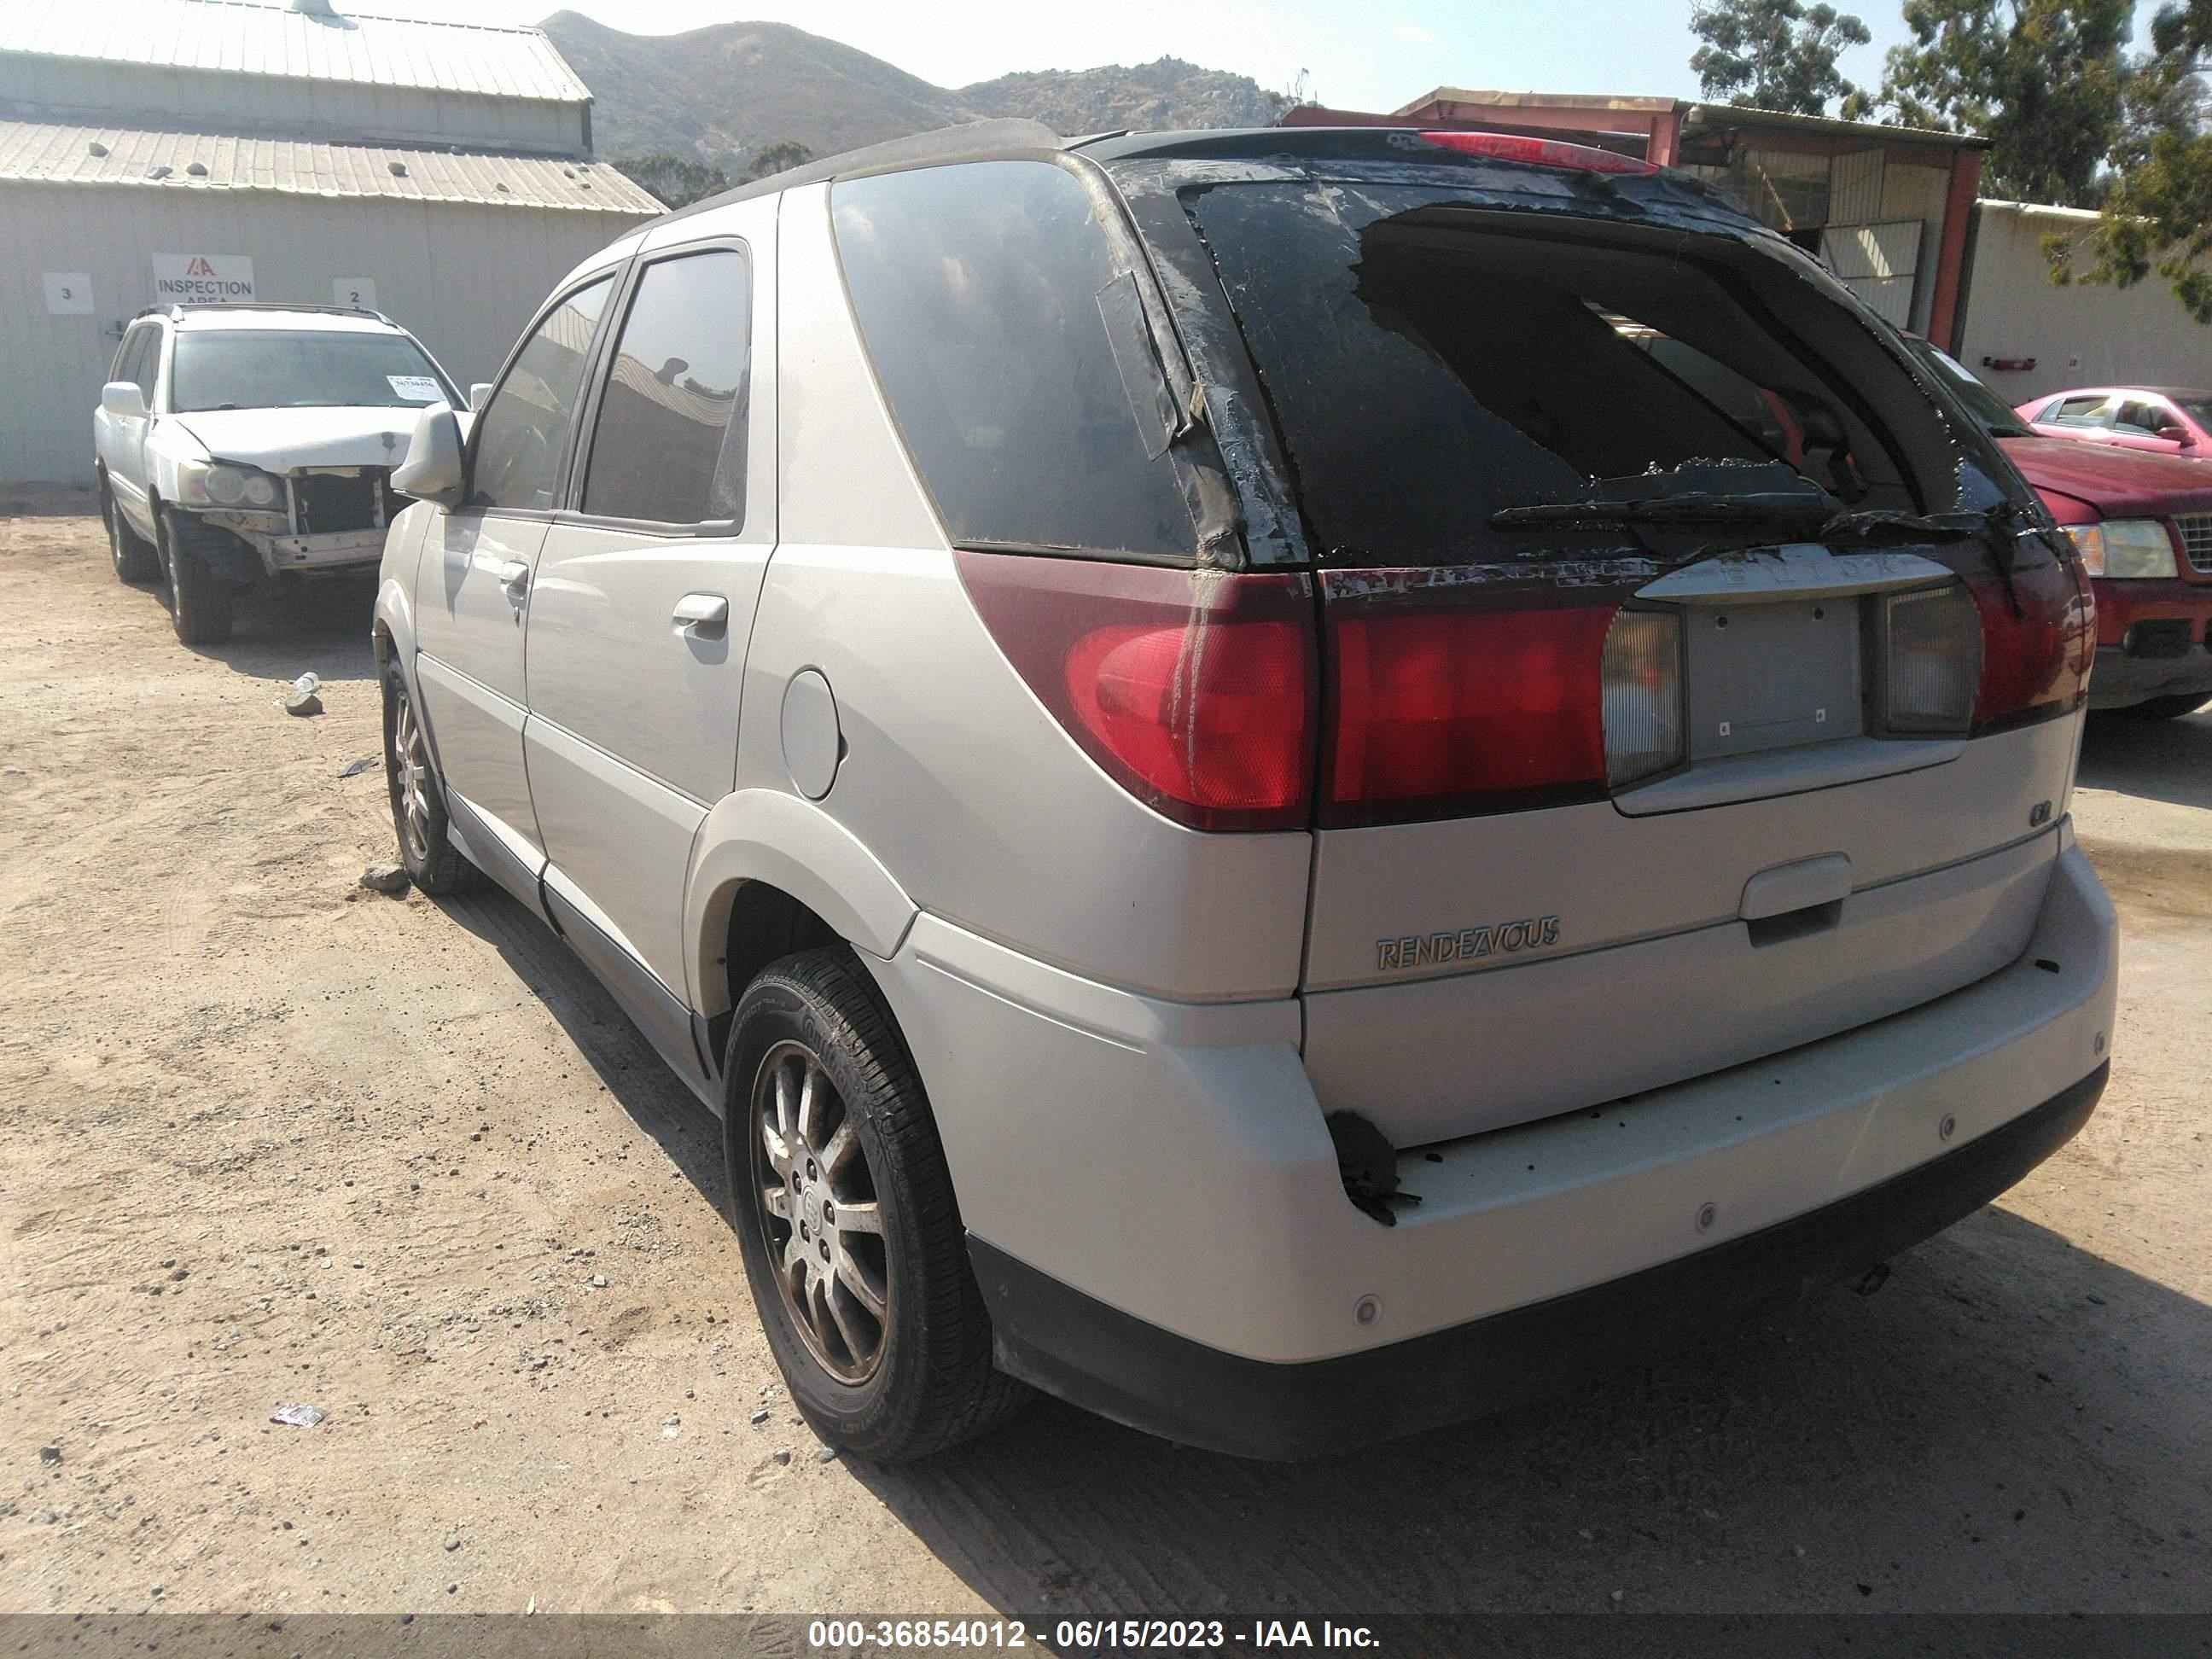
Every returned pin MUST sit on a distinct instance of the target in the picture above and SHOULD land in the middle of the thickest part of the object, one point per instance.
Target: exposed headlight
(2124, 550)
(214, 483)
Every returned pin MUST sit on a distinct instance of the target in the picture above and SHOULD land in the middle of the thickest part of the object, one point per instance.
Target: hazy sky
(1358, 56)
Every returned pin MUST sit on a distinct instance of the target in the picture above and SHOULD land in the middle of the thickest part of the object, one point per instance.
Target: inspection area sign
(201, 278)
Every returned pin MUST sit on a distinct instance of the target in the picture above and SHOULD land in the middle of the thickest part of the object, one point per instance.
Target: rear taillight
(1643, 687)
(1193, 689)
(1448, 709)
(2036, 662)
(1541, 152)
(1931, 660)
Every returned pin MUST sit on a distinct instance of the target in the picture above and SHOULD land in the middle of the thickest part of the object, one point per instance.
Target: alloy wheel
(411, 781)
(815, 1198)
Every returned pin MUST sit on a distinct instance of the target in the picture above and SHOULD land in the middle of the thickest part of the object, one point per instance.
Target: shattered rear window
(1430, 368)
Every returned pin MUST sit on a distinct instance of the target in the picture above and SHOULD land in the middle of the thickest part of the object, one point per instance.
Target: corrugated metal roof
(43, 153)
(245, 38)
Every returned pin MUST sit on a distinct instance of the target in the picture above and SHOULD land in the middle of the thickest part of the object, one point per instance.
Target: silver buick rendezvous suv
(1287, 783)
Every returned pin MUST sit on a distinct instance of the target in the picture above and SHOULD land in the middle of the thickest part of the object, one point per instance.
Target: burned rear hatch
(1691, 679)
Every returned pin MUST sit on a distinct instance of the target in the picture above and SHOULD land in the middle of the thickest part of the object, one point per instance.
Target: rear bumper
(2121, 679)
(1170, 1163)
(1073, 1346)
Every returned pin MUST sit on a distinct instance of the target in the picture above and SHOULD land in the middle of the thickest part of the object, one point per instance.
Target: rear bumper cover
(1073, 1346)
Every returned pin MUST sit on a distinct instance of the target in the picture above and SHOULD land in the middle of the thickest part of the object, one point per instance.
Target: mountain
(1157, 96)
(719, 93)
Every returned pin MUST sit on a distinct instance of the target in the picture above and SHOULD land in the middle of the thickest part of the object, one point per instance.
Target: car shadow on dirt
(2005, 1426)
(2156, 759)
(2011, 1423)
(292, 627)
(610, 1044)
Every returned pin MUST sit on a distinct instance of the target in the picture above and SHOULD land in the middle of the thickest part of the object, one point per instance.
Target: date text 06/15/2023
(1085, 1634)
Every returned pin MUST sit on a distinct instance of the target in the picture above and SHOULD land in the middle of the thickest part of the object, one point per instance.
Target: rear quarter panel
(955, 778)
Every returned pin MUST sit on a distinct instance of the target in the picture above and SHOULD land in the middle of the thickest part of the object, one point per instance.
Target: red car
(2144, 524)
(2164, 420)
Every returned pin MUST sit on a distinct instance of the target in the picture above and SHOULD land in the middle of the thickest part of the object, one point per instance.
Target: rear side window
(523, 433)
(2079, 411)
(2141, 419)
(985, 292)
(671, 440)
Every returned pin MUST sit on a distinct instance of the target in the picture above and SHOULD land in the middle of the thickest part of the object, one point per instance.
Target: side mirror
(431, 471)
(477, 393)
(125, 399)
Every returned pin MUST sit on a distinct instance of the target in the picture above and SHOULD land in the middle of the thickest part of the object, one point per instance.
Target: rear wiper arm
(1756, 508)
(1881, 524)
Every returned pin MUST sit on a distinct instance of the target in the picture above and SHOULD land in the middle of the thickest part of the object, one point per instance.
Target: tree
(2044, 81)
(2158, 211)
(779, 157)
(1773, 54)
(676, 181)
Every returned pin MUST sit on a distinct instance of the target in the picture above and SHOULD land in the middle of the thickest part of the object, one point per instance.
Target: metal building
(2025, 336)
(177, 149)
(1886, 208)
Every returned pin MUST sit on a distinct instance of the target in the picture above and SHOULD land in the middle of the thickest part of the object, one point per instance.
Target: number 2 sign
(359, 291)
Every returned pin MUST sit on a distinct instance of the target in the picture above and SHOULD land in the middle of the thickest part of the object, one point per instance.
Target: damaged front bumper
(1162, 1234)
(270, 537)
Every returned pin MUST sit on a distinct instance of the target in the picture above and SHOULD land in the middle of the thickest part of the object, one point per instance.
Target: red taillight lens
(1442, 711)
(1543, 152)
(2035, 666)
(1193, 689)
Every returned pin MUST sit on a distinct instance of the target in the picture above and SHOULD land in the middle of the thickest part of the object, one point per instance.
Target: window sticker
(417, 387)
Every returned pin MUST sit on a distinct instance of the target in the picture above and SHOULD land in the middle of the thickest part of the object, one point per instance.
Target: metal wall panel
(464, 278)
(1878, 263)
(2078, 336)
(1854, 186)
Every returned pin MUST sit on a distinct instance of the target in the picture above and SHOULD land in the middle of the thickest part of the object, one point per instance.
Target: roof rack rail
(176, 306)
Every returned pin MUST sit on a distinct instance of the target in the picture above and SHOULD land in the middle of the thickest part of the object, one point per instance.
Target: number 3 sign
(69, 293)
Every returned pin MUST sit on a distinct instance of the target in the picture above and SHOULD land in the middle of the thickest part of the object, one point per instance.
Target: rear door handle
(702, 610)
(514, 574)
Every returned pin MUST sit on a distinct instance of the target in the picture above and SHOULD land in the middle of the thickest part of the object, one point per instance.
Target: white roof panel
(244, 37)
(46, 153)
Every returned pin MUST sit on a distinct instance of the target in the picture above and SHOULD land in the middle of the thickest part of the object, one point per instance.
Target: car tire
(2164, 708)
(133, 557)
(844, 1202)
(200, 602)
(419, 822)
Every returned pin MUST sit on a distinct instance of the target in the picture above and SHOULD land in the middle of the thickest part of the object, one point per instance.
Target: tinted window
(2141, 420)
(122, 368)
(270, 368)
(2079, 411)
(1430, 370)
(524, 430)
(1984, 405)
(671, 440)
(984, 291)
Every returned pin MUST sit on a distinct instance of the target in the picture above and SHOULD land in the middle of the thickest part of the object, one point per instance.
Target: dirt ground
(266, 1140)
